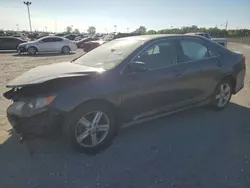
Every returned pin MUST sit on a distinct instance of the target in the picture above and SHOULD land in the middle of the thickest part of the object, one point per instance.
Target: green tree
(76, 31)
(91, 30)
(151, 32)
(141, 30)
(68, 29)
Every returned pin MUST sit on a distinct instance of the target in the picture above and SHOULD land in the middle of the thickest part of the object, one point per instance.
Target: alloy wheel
(223, 95)
(66, 50)
(32, 51)
(92, 129)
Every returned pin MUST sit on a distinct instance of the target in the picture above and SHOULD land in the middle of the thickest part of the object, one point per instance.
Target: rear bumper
(45, 123)
(240, 81)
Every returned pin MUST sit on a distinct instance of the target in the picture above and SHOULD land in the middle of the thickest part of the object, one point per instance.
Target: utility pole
(115, 28)
(127, 30)
(28, 3)
(17, 27)
(55, 25)
(226, 24)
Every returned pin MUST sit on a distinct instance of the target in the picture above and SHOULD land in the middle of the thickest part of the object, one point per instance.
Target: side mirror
(137, 66)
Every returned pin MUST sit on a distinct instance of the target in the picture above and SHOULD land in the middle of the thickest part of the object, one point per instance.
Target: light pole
(115, 27)
(28, 3)
(127, 30)
(17, 27)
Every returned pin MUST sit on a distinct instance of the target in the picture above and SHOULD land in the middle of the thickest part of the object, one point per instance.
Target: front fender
(92, 89)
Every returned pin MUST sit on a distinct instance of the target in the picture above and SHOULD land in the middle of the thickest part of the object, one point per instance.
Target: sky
(56, 15)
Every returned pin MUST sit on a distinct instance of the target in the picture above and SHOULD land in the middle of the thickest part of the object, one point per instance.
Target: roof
(150, 37)
(8, 37)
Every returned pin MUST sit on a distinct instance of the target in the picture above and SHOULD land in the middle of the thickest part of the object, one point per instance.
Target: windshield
(108, 37)
(109, 54)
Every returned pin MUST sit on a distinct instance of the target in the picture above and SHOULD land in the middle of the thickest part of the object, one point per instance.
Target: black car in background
(70, 36)
(10, 43)
(130, 79)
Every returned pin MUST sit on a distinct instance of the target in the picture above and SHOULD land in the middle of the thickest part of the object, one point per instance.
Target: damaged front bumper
(21, 49)
(45, 122)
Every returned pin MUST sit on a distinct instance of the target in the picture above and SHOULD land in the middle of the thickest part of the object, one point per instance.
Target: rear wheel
(65, 50)
(222, 95)
(91, 128)
(32, 50)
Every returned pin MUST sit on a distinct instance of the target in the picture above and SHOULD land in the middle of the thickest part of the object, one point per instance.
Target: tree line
(214, 31)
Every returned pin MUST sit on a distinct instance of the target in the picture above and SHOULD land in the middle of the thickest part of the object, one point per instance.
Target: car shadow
(197, 138)
(7, 51)
(183, 121)
(43, 54)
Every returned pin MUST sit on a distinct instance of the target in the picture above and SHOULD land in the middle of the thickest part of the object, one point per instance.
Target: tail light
(243, 59)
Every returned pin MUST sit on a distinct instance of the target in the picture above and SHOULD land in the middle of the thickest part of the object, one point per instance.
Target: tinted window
(193, 50)
(213, 53)
(159, 55)
(47, 40)
(5, 40)
(56, 39)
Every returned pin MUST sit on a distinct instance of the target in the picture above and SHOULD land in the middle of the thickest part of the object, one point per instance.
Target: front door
(200, 67)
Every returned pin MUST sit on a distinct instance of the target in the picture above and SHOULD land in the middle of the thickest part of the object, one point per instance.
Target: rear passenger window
(193, 50)
(56, 39)
(213, 53)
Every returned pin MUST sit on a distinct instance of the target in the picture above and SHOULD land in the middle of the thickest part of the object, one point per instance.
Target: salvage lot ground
(196, 148)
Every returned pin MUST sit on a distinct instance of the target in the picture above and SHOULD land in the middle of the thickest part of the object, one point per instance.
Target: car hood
(45, 73)
(28, 42)
(96, 42)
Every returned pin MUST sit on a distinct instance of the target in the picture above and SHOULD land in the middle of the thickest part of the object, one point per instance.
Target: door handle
(218, 63)
(178, 73)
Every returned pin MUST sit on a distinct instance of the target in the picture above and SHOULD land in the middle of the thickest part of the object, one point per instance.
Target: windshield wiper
(77, 58)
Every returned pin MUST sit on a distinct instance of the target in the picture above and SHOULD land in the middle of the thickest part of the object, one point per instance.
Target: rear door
(13, 43)
(201, 68)
(45, 45)
(57, 44)
(1, 44)
(6, 43)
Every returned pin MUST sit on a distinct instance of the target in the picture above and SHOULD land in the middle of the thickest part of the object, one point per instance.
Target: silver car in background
(47, 44)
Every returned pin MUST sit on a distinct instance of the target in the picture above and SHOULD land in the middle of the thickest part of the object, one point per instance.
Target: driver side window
(159, 54)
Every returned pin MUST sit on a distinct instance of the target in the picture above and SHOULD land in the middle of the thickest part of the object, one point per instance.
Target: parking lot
(192, 149)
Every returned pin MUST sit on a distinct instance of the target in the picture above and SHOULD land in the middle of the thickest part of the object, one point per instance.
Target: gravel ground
(192, 149)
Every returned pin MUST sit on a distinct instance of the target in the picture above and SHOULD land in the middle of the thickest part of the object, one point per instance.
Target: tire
(222, 95)
(65, 50)
(32, 50)
(83, 141)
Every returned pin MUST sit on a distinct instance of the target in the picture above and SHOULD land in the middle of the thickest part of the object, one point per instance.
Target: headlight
(40, 102)
(21, 46)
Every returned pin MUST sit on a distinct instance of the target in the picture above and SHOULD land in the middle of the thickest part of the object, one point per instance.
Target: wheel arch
(232, 80)
(33, 47)
(66, 46)
(114, 108)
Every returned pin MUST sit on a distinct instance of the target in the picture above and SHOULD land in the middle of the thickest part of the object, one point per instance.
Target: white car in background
(221, 41)
(47, 44)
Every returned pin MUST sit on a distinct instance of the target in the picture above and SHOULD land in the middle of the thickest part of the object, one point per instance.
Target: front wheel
(91, 128)
(222, 95)
(32, 50)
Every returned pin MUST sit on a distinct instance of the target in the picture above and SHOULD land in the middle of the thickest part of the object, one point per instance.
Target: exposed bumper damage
(40, 125)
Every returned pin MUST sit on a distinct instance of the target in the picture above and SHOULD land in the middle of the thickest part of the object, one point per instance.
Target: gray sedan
(124, 81)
